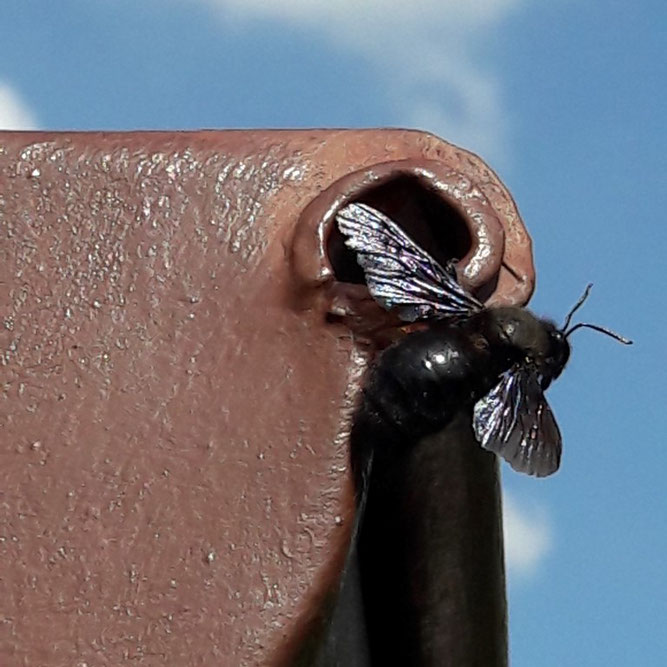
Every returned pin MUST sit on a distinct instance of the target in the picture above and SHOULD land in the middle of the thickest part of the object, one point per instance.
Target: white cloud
(528, 537)
(426, 50)
(14, 112)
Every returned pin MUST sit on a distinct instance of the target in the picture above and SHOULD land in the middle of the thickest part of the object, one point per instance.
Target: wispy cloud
(427, 52)
(14, 112)
(528, 536)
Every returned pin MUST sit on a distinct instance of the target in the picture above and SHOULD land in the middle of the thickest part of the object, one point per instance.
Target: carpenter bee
(497, 362)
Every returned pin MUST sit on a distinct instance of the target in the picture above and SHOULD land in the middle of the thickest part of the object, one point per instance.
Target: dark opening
(435, 225)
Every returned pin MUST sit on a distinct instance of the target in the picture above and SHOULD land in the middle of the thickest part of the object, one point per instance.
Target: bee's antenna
(596, 327)
(576, 306)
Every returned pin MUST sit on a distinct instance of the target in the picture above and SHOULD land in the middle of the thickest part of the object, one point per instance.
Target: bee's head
(557, 353)
(527, 339)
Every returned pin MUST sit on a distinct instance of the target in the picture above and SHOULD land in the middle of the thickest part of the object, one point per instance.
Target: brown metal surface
(174, 484)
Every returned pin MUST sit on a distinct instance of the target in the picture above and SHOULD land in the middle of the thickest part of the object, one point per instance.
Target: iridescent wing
(399, 274)
(515, 421)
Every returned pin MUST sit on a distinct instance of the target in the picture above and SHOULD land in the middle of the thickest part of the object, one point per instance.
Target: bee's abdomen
(419, 384)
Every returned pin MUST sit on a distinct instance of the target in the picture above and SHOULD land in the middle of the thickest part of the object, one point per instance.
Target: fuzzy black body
(419, 384)
(524, 353)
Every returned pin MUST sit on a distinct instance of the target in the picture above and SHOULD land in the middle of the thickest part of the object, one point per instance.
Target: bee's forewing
(399, 274)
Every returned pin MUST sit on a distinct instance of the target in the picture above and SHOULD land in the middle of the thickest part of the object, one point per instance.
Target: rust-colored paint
(174, 483)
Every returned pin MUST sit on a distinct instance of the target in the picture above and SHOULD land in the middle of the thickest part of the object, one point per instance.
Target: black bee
(499, 361)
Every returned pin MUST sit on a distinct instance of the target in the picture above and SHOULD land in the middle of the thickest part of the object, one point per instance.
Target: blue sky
(567, 100)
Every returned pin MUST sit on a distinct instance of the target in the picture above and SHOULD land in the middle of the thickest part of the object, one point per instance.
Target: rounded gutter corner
(480, 270)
